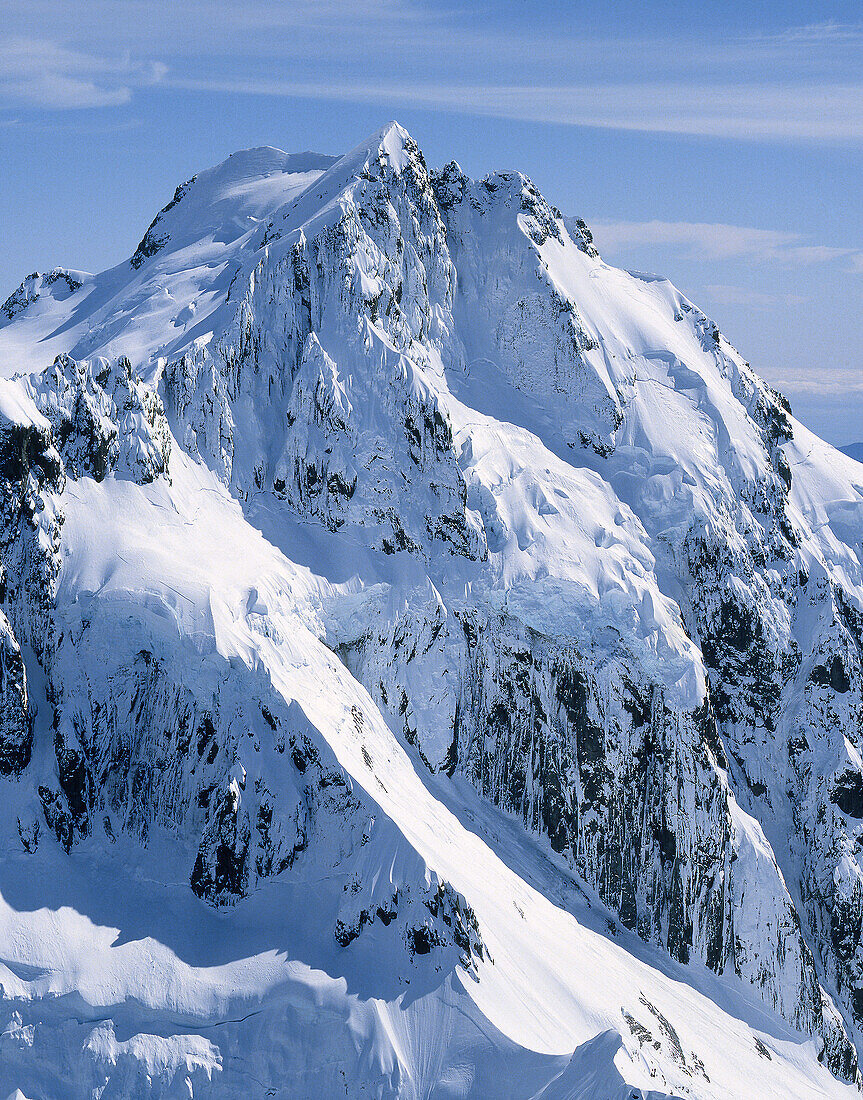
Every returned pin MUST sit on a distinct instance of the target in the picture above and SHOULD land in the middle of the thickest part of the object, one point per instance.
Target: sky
(720, 144)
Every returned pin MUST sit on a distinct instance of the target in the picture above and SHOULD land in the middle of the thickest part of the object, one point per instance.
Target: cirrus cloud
(719, 241)
(820, 381)
(41, 73)
(747, 112)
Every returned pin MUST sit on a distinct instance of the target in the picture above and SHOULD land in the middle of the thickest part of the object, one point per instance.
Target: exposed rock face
(31, 469)
(153, 241)
(104, 419)
(16, 723)
(519, 317)
(645, 644)
(59, 283)
(326, 357)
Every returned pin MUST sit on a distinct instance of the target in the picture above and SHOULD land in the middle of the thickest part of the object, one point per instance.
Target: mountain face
(432, 665)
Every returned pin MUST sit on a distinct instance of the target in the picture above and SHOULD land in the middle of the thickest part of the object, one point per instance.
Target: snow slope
(431, 665)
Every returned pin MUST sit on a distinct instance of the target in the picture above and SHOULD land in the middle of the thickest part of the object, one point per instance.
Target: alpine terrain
(431, 665)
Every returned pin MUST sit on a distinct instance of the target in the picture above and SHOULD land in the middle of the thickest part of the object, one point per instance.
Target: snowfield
(431, 665)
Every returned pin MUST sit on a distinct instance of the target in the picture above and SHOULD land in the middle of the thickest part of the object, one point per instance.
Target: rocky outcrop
(59, 283)
(105, 420)
(16, 719)
(322, 370)
(30, 524)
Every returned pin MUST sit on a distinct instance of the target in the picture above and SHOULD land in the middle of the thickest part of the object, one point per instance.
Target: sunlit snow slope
(431, 665)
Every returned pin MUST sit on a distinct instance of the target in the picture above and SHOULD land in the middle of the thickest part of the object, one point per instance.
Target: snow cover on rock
(430, 665)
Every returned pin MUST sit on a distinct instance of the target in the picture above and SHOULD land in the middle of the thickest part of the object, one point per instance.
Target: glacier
(432, 665)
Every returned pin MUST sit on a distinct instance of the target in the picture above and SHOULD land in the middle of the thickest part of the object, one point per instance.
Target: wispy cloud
(39, 73)
(821, 381)
(704, 240)
(724, 295)
(718, 241)
(745, 112)
(785, 86)
(199, 30)
(829, 31)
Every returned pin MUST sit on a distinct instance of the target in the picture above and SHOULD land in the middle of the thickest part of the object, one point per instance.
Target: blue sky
(718, 143)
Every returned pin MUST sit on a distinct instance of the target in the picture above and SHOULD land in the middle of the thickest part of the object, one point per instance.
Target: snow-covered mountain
(432, 665)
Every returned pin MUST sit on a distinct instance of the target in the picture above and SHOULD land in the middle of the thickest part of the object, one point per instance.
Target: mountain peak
(395, 141)
(391, 144)
(226, 201)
